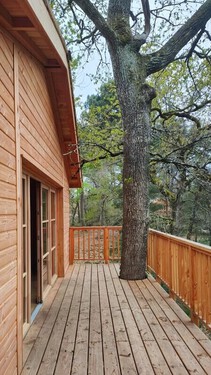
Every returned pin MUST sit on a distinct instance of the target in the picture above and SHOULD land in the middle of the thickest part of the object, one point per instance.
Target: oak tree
(131, 67)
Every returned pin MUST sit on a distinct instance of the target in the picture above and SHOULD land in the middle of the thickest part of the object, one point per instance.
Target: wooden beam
(40, 14)
(53, 63)
(22, 23)
(19, 225)
(28, 43)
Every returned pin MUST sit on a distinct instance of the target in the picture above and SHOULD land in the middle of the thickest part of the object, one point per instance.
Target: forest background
(180, 151)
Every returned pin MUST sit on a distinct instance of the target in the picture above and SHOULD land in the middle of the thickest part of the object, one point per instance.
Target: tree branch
(146, 10)
(140, 39)
(168, 115)
(91, 11)
(168, 52)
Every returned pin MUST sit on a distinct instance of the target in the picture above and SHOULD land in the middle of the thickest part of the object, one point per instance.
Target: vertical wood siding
(8, 221)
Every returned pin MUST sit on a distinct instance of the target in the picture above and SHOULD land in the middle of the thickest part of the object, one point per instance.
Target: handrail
(97, 243)
(183, 266)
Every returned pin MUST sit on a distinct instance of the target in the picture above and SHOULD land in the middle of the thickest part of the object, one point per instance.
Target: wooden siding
(8, 221)
(40, 148)
(39, 139)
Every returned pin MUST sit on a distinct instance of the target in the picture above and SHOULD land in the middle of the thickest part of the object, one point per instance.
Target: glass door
(53, 235)
(25, 250)
(35, 255)
(45, 238)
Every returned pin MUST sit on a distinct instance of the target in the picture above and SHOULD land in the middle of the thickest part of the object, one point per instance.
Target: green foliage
(100, 134)
(100, 129)
(102, 195)
(180, 153)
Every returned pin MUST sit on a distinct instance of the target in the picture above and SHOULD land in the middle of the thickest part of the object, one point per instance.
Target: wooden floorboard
(94, 323)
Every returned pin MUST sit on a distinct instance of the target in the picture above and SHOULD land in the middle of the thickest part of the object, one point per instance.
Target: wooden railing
(183, 266)
(95, 243)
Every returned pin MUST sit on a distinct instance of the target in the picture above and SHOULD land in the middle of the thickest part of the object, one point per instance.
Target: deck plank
(34, 359)
(126, 359)
(33, 333)
(96, 364)
(111, 359)
(175, 347)
(80, 357)
(183, 333)
(65, 358)
(150, 350)
(52, 351)
(94, 323)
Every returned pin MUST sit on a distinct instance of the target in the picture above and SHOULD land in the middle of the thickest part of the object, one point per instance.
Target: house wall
(39, 141)
(38, 134)
(39, 146)
(8, 221)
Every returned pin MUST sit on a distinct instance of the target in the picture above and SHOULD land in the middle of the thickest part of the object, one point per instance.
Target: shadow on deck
(94, 323)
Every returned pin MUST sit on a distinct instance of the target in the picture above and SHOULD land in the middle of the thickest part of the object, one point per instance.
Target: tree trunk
(135, 102)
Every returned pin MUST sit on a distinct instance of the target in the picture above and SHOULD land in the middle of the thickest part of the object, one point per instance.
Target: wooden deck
(94, 323)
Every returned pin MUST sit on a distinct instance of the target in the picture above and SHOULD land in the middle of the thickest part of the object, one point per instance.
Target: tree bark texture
(135, 101)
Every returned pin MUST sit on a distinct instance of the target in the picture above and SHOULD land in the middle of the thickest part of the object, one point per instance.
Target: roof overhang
(32, 24)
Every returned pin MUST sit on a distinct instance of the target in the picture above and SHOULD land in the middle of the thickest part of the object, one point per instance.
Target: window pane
(53, 205)
(54, 271)
(45, 272)
(53, 234)
(24, 201)
(45, 238)
(24, 250)
(24, 300)
(44, 204)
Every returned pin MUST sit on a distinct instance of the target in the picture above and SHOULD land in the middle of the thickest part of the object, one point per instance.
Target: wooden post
(171, 293)
(106, 252)
(71, 245)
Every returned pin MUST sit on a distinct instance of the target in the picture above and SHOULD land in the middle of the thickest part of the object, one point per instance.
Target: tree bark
(135, 102)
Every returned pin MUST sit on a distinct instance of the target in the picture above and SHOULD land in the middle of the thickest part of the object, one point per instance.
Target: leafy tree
(172, 202)
(100, 128)
(132, 64)
(100, 197)
(100, 134)
(181, 139)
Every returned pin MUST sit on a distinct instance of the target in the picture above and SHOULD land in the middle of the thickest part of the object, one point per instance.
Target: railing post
(106, 252)
(71, 240)
(171, 293)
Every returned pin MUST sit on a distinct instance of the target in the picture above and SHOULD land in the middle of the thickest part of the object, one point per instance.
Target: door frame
(26, 244)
